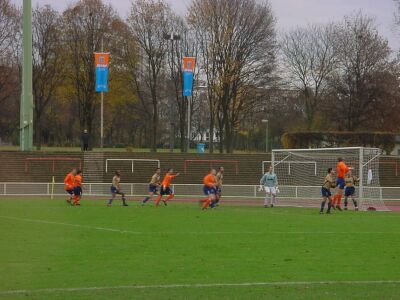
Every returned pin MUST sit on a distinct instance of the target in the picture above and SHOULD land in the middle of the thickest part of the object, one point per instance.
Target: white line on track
(194, 232)
(200, 285)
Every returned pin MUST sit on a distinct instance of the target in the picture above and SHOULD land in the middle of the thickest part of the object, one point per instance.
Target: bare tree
(148, 22)
(386, 92)
(397, 13)
(309, 59)
(9, 16)
(86, 24)
(9, 38)
(363, 56)
(48, 63)
(199, 20)
(238, 41)
(200, 113)
(186, 46)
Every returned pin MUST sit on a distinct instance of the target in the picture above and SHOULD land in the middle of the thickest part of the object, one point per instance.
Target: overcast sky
(290, 13)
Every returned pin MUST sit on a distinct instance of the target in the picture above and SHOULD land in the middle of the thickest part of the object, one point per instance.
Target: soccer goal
(300, 180)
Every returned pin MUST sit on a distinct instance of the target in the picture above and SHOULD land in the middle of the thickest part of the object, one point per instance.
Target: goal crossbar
(289, 162)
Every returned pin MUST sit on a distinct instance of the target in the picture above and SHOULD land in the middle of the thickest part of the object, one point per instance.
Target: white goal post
(294, 168)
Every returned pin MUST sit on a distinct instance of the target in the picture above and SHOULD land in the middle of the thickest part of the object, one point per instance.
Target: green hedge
(306, 139)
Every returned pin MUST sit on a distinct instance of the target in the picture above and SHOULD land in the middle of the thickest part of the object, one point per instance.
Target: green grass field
(52, 251)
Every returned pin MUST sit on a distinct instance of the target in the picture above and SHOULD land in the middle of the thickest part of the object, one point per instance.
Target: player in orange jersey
(220, 181)
(69, 185)
(210, 188)
(341, 170)
(166, 187)
(78, 187)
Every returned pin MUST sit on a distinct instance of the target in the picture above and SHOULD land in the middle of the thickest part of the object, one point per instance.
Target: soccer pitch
(52, 251)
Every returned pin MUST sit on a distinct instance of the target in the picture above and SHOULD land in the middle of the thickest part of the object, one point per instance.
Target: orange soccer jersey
(69, 182)
(78, 181)
(167, 180)
(210, 180)
(341, 169)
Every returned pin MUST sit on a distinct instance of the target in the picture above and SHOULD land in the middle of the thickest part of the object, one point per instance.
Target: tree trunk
(221, 140)
(182, 132)
(211, 138)
(154, 127)
(89, 125)
(311, 108)
(222, 120)
(182, 125)
(38, 130)
(229, 137)
(310, 120)
(220, 134)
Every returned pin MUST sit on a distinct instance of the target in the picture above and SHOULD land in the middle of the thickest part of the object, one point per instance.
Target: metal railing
(53, 161)
(132, 161)
(249, 192)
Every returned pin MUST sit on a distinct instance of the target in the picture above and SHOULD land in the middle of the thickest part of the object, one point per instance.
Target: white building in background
(200, 119)
(205, 137)
(396, 149)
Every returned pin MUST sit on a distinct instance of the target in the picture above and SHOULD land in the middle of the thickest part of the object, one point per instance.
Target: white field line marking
(71, 225)
(199, 285)
(193, 232)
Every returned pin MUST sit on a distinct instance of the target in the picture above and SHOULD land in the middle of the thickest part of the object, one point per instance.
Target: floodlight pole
(26, 106)
(172, 37)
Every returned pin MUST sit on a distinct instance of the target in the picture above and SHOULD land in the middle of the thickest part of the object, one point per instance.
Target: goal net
(301, 173)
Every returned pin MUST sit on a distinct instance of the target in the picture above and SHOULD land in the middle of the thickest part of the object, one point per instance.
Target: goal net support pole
(361, 176)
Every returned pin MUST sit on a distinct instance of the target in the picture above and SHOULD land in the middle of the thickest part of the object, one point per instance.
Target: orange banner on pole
(189, 63)
(102, 59)
(102, 62)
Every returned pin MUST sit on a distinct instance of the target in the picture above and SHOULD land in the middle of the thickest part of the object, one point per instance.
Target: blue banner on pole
(187, 84)
(102, 63)
(101, 79)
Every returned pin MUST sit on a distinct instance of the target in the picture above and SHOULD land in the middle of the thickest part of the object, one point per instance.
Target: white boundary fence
(244, 192)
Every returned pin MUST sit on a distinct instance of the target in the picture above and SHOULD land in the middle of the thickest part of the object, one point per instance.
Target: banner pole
(189, 64)
(102, 121)
(102, 107)
(188, 124)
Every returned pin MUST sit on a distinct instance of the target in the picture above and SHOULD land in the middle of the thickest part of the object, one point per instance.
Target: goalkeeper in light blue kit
(269, 182)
